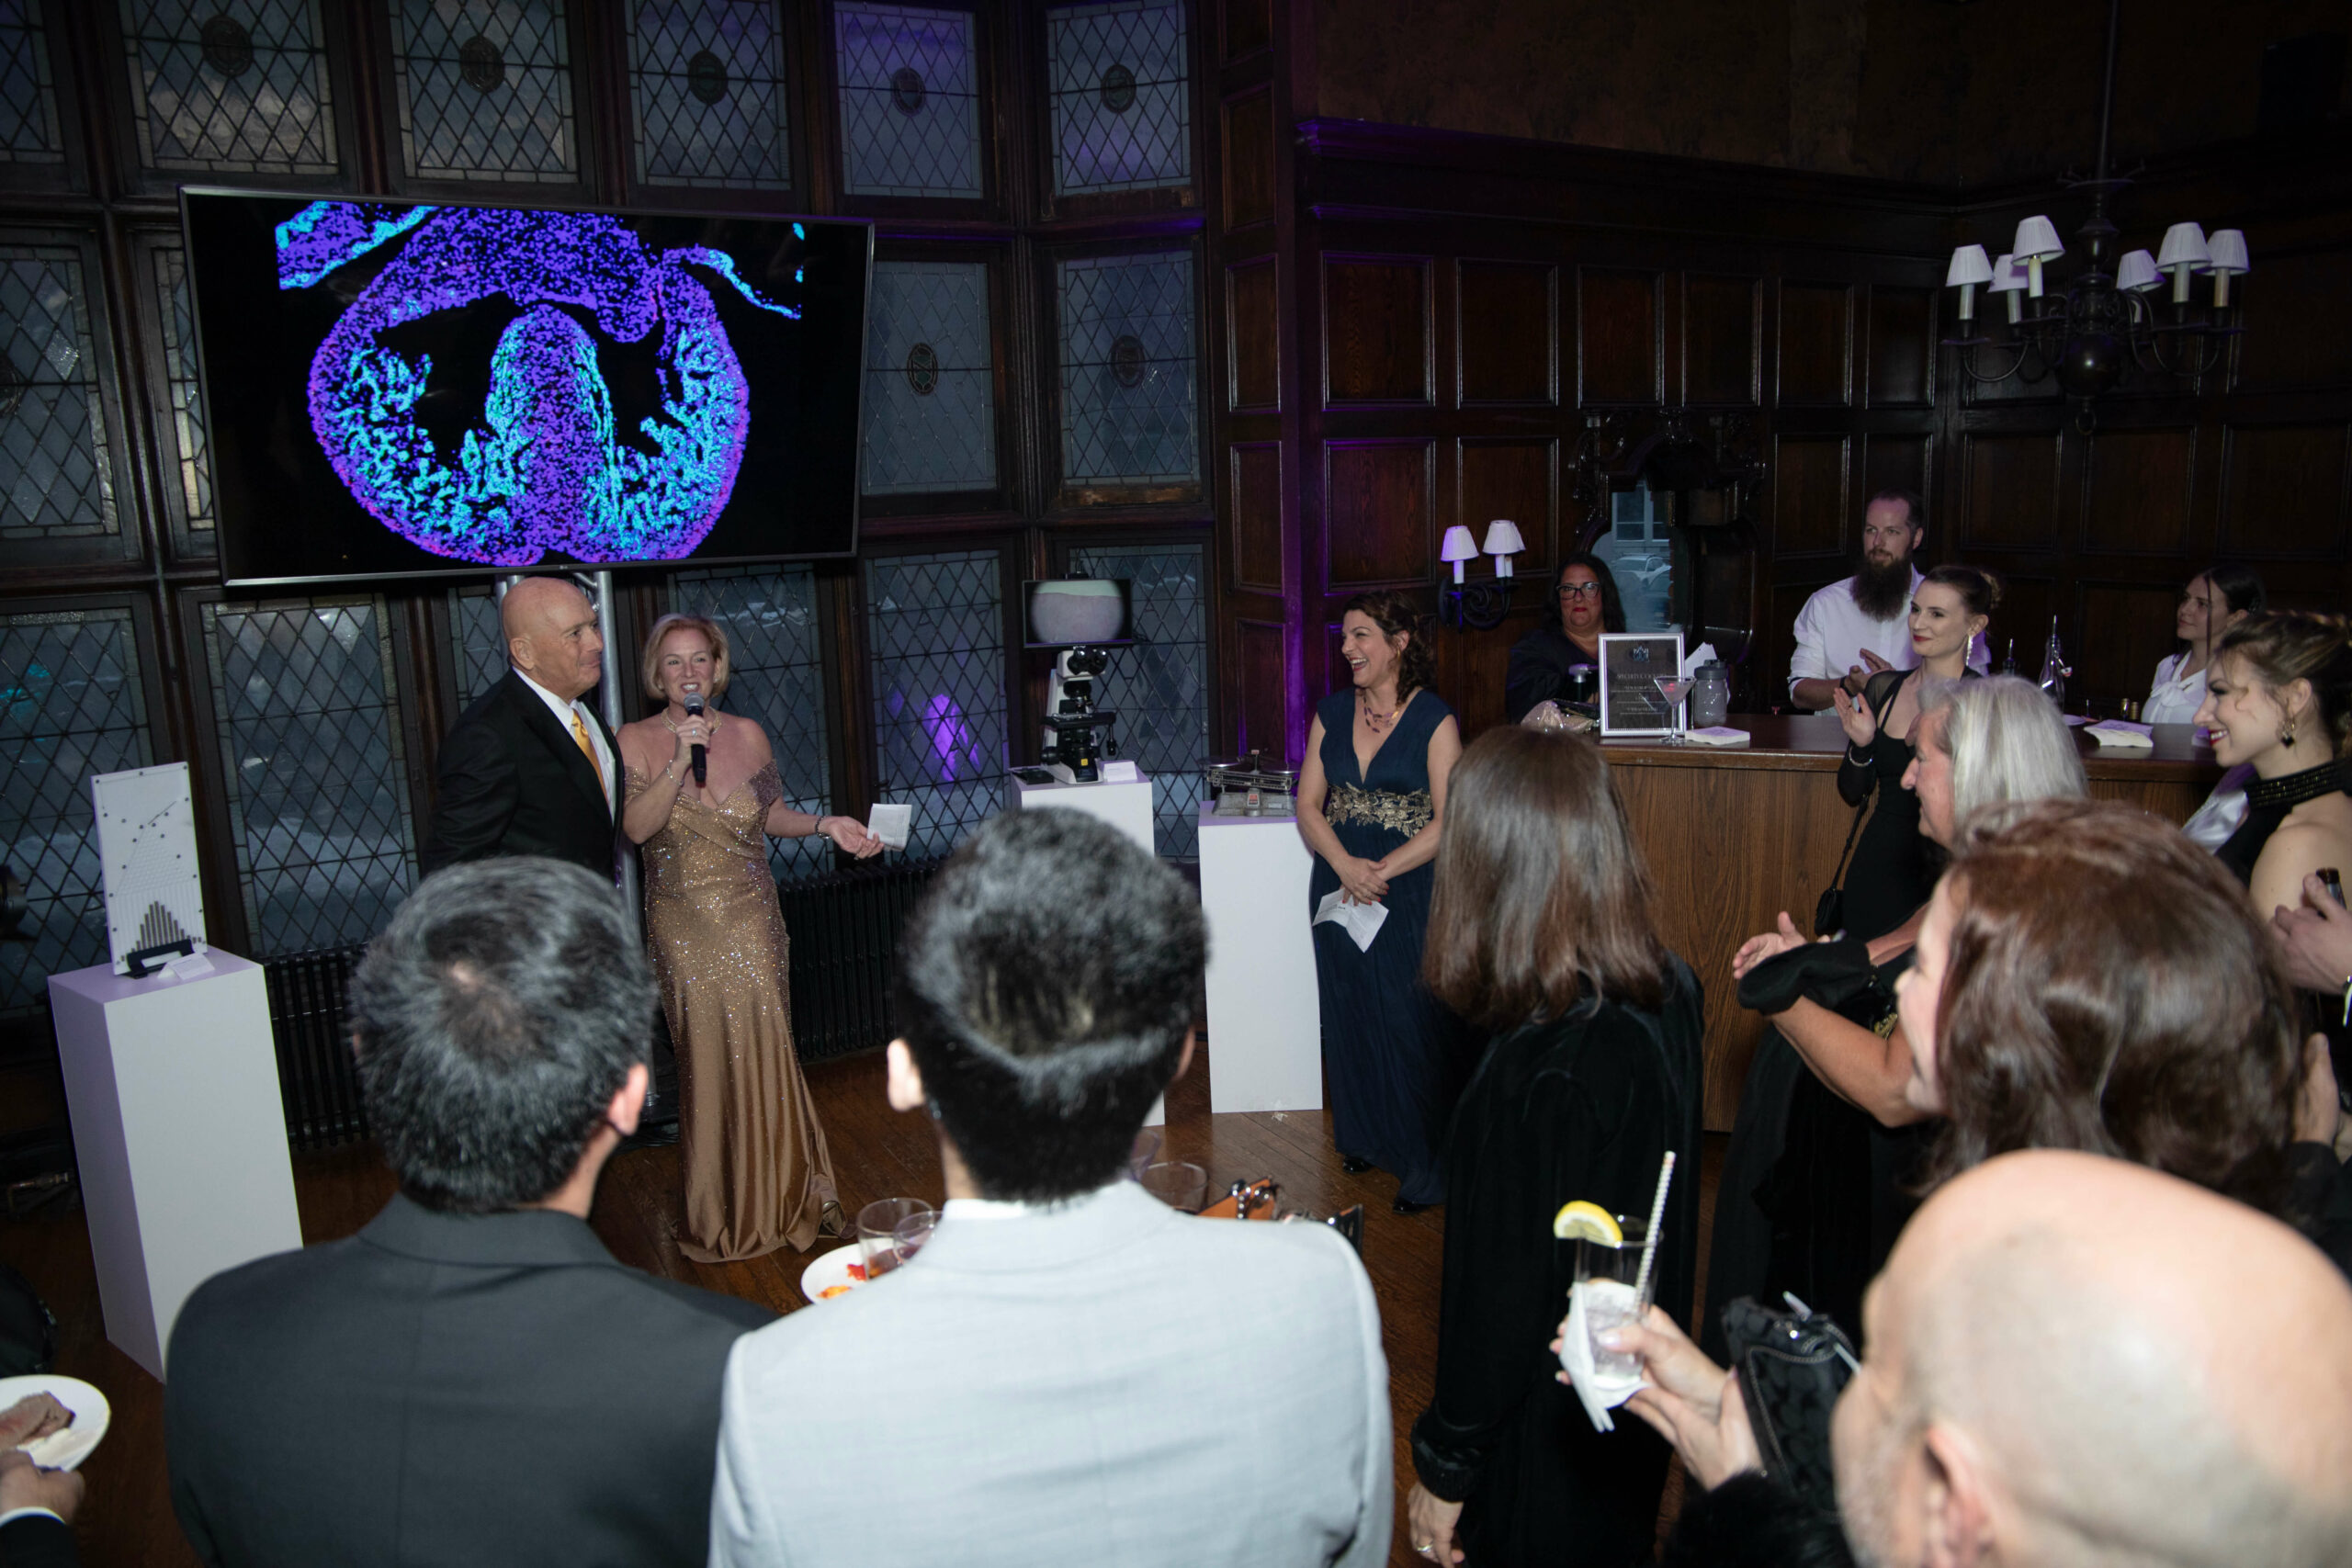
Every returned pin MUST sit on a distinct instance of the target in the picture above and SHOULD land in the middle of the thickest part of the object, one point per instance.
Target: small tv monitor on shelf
(412, 389)
(1078, 612)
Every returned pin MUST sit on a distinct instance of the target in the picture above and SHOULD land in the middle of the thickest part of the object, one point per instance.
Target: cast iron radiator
(844, 928)
(308, 1014)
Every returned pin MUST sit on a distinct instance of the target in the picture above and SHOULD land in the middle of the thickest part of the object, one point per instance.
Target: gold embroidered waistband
(1405, 813)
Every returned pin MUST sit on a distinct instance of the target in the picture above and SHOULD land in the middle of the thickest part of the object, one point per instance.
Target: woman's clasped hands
(1363, 881)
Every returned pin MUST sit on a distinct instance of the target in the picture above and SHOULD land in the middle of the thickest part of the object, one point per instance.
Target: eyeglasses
(1580, 591)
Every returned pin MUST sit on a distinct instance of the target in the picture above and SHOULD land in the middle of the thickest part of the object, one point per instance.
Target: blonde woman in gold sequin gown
(758, 1176)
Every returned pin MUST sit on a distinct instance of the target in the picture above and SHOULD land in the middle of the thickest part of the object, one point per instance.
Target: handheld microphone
(699, 760)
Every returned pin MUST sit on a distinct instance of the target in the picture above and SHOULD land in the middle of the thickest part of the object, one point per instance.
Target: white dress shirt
(1832, 631)
(2173, 698)
(563, 712)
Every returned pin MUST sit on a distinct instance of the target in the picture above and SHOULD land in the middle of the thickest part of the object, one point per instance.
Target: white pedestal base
(1265, 1022)
(179, 1132)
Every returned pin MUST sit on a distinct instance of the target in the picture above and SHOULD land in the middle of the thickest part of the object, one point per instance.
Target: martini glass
(1673, 688)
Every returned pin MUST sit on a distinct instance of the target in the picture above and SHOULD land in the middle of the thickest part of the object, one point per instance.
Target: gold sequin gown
(757, 1172)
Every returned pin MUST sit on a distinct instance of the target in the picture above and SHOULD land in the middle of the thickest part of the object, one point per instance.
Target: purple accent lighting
(950, 737)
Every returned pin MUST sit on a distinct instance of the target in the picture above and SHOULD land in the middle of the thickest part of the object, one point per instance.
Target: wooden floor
(127, 1520)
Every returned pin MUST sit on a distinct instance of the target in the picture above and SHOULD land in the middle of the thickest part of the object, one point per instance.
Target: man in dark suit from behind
(473, 1378)
(530, 769)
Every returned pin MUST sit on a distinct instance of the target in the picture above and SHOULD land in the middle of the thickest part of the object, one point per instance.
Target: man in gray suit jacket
(1068, 1372)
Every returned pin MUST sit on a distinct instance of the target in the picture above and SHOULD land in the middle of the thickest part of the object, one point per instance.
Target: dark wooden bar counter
(1735, 835)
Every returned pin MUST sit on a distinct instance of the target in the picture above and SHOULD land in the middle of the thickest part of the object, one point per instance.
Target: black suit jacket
(35, 1541)
(515, 782)
(446, 1389)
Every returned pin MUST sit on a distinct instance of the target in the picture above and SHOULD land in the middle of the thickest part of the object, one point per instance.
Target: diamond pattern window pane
(477, 644)
(706, 83)
(313, 769)
(1122, 103)
(71, 706)
(935, 636)
(28, 129)
(1159, 685)
(930, 380)
(484, 88)
(178, 316)
(1128, 409)
(230, 86)
(910, 100)
(775, 677)
(55, 480)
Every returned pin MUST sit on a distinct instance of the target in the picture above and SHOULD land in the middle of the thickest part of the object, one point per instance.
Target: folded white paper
(2121, 732)
(889, 824)
(1704, 654)
(1361, 921)
(1122, 770)
(1719, 735)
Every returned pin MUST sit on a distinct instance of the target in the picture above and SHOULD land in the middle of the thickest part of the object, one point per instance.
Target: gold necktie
(580, 733)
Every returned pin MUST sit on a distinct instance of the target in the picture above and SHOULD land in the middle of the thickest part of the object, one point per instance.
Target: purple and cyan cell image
(545, 471)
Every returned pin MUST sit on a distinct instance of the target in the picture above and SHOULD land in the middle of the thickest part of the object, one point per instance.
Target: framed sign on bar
(1632, 663)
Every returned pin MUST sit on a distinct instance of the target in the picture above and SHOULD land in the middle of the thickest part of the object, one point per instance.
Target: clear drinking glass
(876, 1223)
(1178, 1184)
(906, 1237)
(1673, 688)
(1605, 1274)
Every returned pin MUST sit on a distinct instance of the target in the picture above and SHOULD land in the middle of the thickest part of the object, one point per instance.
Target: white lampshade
(1502, 538)
(1459, 546)
(2037, 241)
(2137, 272)
(2225, 252)
(2184, 247)
(2009, 274)
(1969, 265)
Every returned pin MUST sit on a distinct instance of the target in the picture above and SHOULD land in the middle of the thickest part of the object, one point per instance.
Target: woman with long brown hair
(1371, 798)
(1542, 936)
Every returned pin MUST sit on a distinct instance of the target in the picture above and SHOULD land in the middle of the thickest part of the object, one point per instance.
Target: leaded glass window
(930, 381)
(477, 641)
(71, 706)
(775, 678)
(935, 637)
(1129, 413)
(54, 471)
(910, 100)
(1159, 683)
(29, 128)
(177, 314)
(484, 88)
(1122, 103)
(230, 86)
(314, 768)
(706, 83)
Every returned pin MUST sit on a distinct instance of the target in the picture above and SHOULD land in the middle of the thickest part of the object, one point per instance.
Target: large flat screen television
(421, 389)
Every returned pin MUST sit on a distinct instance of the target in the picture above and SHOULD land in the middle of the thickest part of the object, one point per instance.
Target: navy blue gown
(1388, 1046)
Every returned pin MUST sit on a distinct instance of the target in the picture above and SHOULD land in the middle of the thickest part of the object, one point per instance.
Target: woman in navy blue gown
(1370, 800)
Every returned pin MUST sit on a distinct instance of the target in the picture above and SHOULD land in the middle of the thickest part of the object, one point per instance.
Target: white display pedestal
(1265, 1023)
(179, 1133)
(1125, 806)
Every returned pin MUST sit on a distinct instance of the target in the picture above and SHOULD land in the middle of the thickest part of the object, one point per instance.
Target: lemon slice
(1581, 1220)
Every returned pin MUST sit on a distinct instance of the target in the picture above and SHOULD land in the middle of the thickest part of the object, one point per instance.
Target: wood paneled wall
(1418, 325)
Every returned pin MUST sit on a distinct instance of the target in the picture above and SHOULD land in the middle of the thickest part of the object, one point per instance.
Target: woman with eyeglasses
(1586, 604)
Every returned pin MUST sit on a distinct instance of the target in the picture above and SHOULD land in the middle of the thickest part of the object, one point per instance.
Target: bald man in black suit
(530, 769)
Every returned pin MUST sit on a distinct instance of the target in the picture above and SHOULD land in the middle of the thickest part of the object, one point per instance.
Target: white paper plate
(62, 1451)
(823, 1273)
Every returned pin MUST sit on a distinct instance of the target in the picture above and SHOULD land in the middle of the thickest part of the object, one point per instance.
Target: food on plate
(31, 1418)
(829, 1292)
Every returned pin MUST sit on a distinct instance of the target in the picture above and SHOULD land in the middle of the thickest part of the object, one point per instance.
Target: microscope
(1073, 754)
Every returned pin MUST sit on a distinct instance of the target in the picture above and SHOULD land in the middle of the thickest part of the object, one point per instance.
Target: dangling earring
(2287, 733)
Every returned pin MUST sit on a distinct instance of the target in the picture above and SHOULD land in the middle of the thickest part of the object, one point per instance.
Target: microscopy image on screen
(400, 389)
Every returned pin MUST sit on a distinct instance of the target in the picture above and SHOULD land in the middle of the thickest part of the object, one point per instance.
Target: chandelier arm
(1967, 358)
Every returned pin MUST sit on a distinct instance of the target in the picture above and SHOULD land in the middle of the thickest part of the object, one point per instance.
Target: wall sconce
(1458, 548)
(1502, 543)
(1479, 606)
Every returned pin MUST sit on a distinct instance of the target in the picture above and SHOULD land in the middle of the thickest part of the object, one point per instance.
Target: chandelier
(2084, 336)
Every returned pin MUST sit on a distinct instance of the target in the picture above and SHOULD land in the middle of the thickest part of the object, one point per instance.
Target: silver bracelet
(1864, 761)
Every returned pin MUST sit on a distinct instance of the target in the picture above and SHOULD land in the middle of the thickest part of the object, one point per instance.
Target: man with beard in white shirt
(1850, 630)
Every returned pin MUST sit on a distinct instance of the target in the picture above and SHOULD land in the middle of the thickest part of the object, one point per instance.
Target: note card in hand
(889, 824)
(1361, 921)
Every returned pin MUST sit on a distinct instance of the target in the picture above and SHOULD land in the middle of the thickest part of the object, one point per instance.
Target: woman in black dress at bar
(1543, 935)
(1370, 800)
(1584, 604)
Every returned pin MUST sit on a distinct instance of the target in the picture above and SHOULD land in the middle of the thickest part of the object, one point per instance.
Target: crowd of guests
(2056, 1144)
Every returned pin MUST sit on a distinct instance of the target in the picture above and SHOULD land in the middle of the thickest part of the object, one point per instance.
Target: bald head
(2077, 1360)
(552, 635)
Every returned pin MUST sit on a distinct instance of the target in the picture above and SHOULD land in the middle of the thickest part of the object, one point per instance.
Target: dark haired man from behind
(473, 1378)
(1067, 1373)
